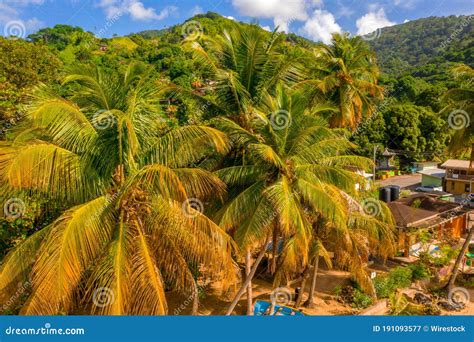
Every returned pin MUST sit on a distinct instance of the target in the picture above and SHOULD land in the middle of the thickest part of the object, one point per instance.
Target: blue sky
(314, 19)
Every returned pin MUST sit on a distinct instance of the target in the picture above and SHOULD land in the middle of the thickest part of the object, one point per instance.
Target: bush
(399, 277)
(360, 300)
(419, 271)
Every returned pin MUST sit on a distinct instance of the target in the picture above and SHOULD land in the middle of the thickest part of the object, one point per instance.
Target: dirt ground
(215, 303)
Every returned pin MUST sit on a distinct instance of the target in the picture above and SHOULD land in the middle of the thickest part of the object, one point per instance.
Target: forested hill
(425, 47)
(416, 60)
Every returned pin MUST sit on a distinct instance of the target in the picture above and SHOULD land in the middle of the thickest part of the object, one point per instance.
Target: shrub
(401, 277)
(360, 299)
(397, 278)
(419, 271)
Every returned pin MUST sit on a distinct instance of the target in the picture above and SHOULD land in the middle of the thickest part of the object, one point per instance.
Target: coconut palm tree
(369, 231)
(293, 165)
(128, 183)
(347, 73)
(243, 64)
(460, 106)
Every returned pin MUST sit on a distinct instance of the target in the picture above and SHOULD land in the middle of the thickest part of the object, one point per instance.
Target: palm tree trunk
(303, 285)
(309, 303)
(195, 309)
(455, 272)
(248, 267)
(242, 289)
(471, 164)
(274, 250)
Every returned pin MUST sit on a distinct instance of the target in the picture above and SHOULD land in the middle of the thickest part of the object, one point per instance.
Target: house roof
(439, 173)
(419, 209)
(455, 164)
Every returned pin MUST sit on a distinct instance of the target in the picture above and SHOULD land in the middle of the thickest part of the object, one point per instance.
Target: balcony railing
(458, 176)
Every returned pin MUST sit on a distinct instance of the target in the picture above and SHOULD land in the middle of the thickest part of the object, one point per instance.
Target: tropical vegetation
(139, 165)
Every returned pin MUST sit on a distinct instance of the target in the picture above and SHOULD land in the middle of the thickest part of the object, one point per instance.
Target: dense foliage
(117, 136)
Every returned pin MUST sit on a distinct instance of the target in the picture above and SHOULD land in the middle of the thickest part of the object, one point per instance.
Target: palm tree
(293, 165)
(460, 105)
(244, 64)
(347, 73)
(127, 181)
(369, 231)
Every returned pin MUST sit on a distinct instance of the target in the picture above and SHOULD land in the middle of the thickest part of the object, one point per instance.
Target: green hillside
(425, 47)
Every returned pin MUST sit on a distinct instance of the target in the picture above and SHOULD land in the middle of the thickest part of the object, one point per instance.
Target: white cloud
(135, 8)
(372, 21)
(320, 26)
(11, 13)
(283, 12)
(267, 28)
(34, 24)
(230, 17)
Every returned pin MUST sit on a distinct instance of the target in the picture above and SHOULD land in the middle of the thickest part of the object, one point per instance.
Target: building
(459, 177)
(424, 165)
(427, 212)
(385, 162)
(432, 177)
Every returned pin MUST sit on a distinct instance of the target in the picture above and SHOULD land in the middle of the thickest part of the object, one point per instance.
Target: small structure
(385, 162)
(459, 177)
(432, 176)
(427, 212)
(424, 165)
